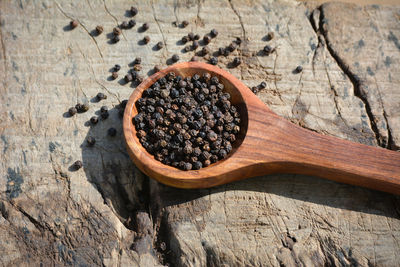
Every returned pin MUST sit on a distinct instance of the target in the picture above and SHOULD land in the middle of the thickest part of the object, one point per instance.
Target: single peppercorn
(206, 39)
(77, 165)
(145, 27)
(117, 67)
(175, 58)
(213, 33)
(299, 69)
(160, 45)
(185, 23)
(94, 120)
(137, 60)
(157, 68)
(132, 23)
(191, 36)
(124, 25)
(72, 111)
(112, 131)
(195, 45)
(74, 24)
(101, 96)
(270, 36)
(262, 85)
(128, 78)
(205, 51)
(91, 141)
(268, 50)
(99, 29)
(213, 61)
(196, 37)
(117, 31)
(146, 39)
(236, 61)
(185, 39)
(134, 11)
(194, 59)
(116, 39)
(114, 75)
(188, 48)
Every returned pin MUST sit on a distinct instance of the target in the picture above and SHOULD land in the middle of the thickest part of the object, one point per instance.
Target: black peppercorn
(195, 45)
(185, 23)
(131, 23)
(116, 39)
(112, 132)
(146, 39)
(77, 164)
(134, 11)
(74, 24)
(185, 39)
(268, 50)
(101, 96)
(213, 33)
(72, 111)
(117, 31)
(205, 51)
(197, 165)
(157, 68)
(270, 36)
(194, 59)
(91, 141)
(103, 109)
(236, 61)
(191, 36)
(114, 75)
(94, 120)
(213, 60)
(299, 69)
(175, 58)
(206, 39)
(196, 37)
(124, 25)
(99, 29)
(145, 27)
(262, 85)
(128, 78)
(160, 45)
(117, 67)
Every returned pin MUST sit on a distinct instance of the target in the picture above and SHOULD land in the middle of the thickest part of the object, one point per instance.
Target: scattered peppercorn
(112, 131)
(104, 112)
(194, 59)
(82, 107)
(132, 23)
(195, 45)
(187, 122)
(145, 27)
(262, 85)
(116, 39)
(99, 29)
(72, 111)
(128, 78)
(236, 61)
(137, 60)
(101, 96)
(175, 57)
(124, 25)
(91, 141)
(213, 33)
(77, 164)
(270, 36)
(185, 23)
(146, 39)
(213, 61)
(160, 45)
(191, 36)
(134, 11)
(114, 75)
(117, 67)
(185, 39)
(188, 48)
(221, 51)
(299, 69)
(157, 68)
(206, 39)
(74, 24)
(205, 51)
(117, 31)
(268, 50)
(94, 120)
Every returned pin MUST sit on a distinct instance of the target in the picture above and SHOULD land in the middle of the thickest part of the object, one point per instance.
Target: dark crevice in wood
(358, 91)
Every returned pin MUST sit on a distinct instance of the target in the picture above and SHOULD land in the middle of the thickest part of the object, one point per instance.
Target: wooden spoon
(267, 144)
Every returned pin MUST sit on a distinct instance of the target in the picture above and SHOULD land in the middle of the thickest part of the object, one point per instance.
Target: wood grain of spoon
(267, 144)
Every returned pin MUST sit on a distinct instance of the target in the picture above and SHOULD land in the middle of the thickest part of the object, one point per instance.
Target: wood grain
(267, 144)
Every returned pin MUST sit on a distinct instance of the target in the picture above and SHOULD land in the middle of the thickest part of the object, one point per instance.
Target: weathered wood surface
(108, 213)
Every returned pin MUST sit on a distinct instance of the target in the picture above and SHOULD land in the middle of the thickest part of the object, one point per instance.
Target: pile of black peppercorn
(187, 123)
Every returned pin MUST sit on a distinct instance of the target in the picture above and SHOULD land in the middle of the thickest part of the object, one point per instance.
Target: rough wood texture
(108, 213)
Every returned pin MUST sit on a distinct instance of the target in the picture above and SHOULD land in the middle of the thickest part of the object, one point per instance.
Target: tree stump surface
(108, 213)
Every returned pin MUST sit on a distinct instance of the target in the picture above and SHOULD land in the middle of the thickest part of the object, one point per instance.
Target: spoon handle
(298, 150)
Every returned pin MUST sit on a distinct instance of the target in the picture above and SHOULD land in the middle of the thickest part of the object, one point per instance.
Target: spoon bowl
(266, 144)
